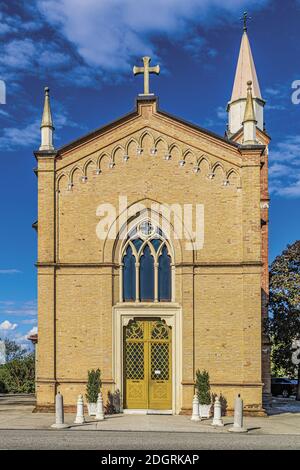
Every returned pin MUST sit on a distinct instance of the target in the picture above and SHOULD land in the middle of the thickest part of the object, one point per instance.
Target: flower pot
(204, 411)
(92, 407)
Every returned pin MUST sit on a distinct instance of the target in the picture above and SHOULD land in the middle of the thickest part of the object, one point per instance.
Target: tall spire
(47, 127)
(245, 72)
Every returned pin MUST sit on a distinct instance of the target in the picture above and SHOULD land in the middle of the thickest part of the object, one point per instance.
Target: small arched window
(146, 267)
(129, 275)
(147, 276)
(164, 278)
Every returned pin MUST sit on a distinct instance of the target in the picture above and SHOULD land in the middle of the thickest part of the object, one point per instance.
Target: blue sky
(84, 51)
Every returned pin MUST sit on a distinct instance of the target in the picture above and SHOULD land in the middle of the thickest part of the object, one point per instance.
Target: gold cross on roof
(146, 70)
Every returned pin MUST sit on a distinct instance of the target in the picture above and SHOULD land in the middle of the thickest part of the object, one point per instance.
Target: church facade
(152, 255)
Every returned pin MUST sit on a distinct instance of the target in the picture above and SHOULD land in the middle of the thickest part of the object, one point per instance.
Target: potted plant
(203, 393)
(92, 390)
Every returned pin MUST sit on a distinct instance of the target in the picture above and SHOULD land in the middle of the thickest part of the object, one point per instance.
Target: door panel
(136, 383)
(136, 371)
(147, 365)
(160, 384)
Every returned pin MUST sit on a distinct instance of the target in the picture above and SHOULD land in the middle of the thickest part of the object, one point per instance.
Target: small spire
(249, 122)
(47, 117)
(249, 115)
(47, 127)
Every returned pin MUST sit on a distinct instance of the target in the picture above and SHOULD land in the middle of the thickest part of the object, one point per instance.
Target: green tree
(203, 387)
(18, 375)
(283, 325)
(93, 386)
(13, 350)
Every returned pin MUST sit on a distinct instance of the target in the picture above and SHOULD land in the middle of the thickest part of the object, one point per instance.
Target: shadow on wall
(223, 402)
(113, 403)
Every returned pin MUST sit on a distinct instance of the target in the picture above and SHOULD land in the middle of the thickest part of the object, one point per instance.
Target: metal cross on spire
(245, 19)
(146, 70)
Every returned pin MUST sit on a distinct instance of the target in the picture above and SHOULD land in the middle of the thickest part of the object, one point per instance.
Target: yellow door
(147, 365)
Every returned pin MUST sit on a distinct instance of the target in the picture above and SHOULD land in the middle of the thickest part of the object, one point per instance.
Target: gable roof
(134, 113)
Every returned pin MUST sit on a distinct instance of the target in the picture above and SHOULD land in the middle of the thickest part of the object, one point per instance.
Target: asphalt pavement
(104, 440)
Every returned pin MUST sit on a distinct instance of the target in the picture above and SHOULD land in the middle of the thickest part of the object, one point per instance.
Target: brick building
(123, 288)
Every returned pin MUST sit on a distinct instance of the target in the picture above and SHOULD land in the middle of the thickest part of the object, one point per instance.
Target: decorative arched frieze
(233, 178)
(118, 154)
(146, 141)
(103, 158)
(188, 157)
(146, 144)
(131, 146)
(218, 172)
(62, 182)
(175, 152)
(88, 167)
(204, 165)
(76, 175)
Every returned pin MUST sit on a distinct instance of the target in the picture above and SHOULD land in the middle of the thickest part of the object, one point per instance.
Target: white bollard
(217, 421)
(59, 413)
(80, 412)
(99, 410)
(195, 415)
(238, 416)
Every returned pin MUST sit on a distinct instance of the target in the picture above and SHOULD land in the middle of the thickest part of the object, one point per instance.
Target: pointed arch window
(147, 276)
(164, 278)
(129, 275)
(147, 270)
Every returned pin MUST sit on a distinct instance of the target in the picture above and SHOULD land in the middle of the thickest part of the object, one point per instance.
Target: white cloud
(33, 331)
(287, 150)
(277, 96)
(12, 24)
(9, 271)
(27, 55)
(284, 170)
(4, 113)
(108, 34)
(275, 107)
(293, 190)
(221, 113)
(9, 307)
(19, 137)
(7, 325)
(12, 138)
(29, 321)
(272, 91)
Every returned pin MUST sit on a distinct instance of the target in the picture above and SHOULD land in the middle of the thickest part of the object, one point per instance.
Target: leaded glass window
(146, 267)
(164, 276)
(129, 275)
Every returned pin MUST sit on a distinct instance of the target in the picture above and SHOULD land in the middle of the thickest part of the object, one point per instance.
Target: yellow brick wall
(217, 287)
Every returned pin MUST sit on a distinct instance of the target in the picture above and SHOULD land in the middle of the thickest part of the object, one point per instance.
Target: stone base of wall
(51, 409)
(229, 412)
(184, 411)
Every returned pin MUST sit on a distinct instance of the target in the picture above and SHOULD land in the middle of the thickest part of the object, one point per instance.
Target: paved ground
(22, 429)
(105, 440)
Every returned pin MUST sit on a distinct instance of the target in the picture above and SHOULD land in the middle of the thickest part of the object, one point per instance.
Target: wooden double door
(148, 365)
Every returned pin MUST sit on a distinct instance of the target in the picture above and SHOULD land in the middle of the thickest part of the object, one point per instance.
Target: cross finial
(245, 19)
(146, 70)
